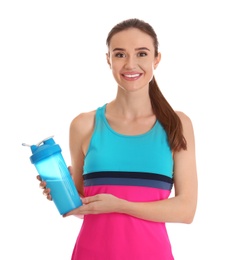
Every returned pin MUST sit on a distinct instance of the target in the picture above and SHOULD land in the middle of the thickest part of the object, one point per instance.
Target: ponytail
(167, 117)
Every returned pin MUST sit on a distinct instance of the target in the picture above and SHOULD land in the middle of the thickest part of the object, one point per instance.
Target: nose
(130, 62)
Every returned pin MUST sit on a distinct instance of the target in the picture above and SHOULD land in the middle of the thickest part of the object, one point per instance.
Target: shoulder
(187, 125)
(83, 123)
(84, 117)
(185, 119)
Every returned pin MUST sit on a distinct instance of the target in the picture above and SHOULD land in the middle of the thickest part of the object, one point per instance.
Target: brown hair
(161, 108)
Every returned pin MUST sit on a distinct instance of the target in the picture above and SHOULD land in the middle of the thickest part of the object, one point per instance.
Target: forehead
(132, 37)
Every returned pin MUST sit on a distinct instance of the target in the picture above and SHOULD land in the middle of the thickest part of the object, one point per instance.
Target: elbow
(188, 217)
(188, 209)
(188, 220)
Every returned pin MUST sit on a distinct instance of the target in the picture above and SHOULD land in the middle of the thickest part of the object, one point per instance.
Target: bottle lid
(44, 149)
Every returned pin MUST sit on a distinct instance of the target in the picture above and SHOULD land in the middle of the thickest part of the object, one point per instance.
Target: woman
(128, 154)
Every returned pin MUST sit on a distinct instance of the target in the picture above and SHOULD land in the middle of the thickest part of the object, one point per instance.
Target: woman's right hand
(42, 185)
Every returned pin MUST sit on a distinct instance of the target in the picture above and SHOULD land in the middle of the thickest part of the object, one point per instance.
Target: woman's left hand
(98, 204)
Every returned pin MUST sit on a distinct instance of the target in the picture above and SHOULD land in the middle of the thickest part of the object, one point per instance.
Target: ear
(108, 59)
(157, 60)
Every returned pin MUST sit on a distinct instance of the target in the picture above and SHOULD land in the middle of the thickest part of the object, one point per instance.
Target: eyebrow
(137, 49)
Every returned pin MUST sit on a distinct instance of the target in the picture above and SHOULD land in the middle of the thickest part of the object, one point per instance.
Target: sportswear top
(136, 168)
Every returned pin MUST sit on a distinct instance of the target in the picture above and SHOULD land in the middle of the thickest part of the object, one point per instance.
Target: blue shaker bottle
(50, 164)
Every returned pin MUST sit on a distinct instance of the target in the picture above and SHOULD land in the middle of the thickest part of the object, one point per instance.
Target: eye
(142, 54)
(119, 55)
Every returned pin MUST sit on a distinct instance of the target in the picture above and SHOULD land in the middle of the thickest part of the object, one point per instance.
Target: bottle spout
(45, 139)
(39, 143)
(33, 147)
(24, 144)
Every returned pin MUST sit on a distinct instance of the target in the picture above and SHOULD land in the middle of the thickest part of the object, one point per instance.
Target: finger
(42, 184)
(70, 170)
(49, 197)
(46, 191)
(90, 199)
(38, 178)
(72, 212)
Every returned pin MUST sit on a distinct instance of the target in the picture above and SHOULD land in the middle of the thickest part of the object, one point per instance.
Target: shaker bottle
(50, 164)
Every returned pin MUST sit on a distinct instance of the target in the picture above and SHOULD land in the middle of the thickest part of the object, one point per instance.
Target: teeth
(132, 76)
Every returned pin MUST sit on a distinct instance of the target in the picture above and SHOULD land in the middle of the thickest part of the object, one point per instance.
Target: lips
(132, 76)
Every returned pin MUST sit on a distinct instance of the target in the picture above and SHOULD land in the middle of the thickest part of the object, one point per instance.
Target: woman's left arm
(182, 207)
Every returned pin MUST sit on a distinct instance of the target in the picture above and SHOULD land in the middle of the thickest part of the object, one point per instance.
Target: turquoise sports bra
(114, 152)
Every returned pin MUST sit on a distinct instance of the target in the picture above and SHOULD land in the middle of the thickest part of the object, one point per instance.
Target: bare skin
(131, 52)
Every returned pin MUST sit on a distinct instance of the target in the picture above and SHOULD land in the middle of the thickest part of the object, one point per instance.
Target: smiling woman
(127, 49)
(128, 154)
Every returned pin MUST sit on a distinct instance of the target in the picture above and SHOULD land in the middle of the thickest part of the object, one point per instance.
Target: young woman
(128, 154)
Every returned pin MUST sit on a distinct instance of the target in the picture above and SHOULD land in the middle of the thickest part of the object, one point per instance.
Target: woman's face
(132, 59)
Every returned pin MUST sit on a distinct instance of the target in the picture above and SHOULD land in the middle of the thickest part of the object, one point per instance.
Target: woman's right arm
(80, 133)
(81, 129)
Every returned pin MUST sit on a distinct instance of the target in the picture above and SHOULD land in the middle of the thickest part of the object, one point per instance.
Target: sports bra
(114, 152)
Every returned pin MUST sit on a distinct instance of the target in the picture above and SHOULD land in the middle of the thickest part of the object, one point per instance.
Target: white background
(53, 67)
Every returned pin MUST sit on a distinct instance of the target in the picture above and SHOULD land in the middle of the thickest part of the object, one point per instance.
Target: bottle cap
(44, 149)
